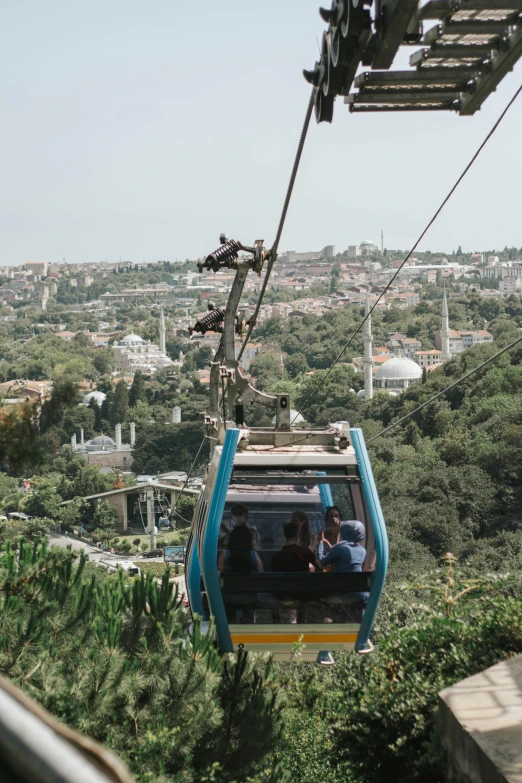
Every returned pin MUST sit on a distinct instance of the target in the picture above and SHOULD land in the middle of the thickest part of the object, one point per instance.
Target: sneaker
(326, 658)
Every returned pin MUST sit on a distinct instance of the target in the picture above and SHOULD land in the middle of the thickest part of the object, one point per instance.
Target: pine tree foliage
(115, 659)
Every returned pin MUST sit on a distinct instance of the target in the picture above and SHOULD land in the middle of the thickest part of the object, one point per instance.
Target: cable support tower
(410, 253)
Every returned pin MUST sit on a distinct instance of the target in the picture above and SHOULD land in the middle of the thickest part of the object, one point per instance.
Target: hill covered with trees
(449, 480)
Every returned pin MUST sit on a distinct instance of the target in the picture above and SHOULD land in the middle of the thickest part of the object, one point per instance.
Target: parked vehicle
(131, 568)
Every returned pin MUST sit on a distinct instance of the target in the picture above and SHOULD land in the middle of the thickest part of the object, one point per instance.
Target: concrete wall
(480, 721)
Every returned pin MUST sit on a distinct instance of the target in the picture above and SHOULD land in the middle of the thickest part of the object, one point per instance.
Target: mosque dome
(399, 368)
(132, 338)
(367, 243)
(101, 442)
(97, 396)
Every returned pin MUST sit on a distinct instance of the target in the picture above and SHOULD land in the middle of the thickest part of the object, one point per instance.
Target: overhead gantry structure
(464, 55)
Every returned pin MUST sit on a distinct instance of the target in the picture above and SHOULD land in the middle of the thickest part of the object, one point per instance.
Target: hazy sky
(144, 129)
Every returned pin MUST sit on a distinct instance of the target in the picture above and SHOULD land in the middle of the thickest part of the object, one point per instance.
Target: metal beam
(439, 9)
(427, 77)
(438, 32)
(391, 29)
(479, 27)
(417, 96)
(502, 63)
(452, 53)
(362, 107)
(475, 51)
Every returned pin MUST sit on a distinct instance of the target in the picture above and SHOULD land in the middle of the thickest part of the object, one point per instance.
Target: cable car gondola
(271, 473)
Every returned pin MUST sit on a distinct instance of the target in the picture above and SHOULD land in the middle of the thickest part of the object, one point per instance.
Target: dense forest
(450, 482)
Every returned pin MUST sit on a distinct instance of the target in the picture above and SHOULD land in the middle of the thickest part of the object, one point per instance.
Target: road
(95, 555)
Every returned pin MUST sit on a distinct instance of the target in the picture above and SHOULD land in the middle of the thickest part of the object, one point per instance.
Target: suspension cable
(421, 236)
(272, 255)
(187, 480)
(447, 389)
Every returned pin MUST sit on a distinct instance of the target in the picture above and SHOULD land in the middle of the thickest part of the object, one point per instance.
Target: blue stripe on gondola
(210, 539)
(381, 537)
(193, 579)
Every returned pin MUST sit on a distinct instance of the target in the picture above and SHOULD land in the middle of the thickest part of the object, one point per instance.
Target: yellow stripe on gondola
(292, 638)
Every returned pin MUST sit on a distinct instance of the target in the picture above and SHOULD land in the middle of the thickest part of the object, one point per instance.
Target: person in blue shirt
(348, 555)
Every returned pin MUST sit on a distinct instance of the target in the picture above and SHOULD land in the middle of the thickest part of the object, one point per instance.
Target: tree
(204, 718)
(266, 370)
(164, 446)
(81, 340)
(21, 450)
(137, 391)
(103, 362)
(120, 405)
(43, 500)
(104, 519)
(296, 364)
(93, 405)
(64, 395)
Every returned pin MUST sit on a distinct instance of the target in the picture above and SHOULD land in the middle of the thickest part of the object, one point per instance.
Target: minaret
(368, 350)
(162, 333)
(445, 331)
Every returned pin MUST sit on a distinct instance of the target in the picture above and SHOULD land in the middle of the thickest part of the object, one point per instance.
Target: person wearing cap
(348, 555)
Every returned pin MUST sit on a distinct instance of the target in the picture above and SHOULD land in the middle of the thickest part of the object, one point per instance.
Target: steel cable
(421, 236)
(273, 250)
(186, 481)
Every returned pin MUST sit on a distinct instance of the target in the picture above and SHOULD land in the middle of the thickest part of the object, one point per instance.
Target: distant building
(408, 346)
(105, 452)
(353, 251)
(428, 359)
(291, 256)
(510, 285)
(501, 271)
(134, 353)
(37, 268)
(459, 340)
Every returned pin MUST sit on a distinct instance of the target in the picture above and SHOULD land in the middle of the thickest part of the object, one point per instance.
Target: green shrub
(380, 710)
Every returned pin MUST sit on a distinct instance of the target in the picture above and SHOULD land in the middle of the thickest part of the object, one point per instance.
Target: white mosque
(134, 353)
(398, 373)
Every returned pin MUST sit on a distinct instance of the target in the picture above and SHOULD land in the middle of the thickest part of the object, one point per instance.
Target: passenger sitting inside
(330, 536)
(305, 536)
(293, 556)
(239, 518)
(239, 557)
(348, 555)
